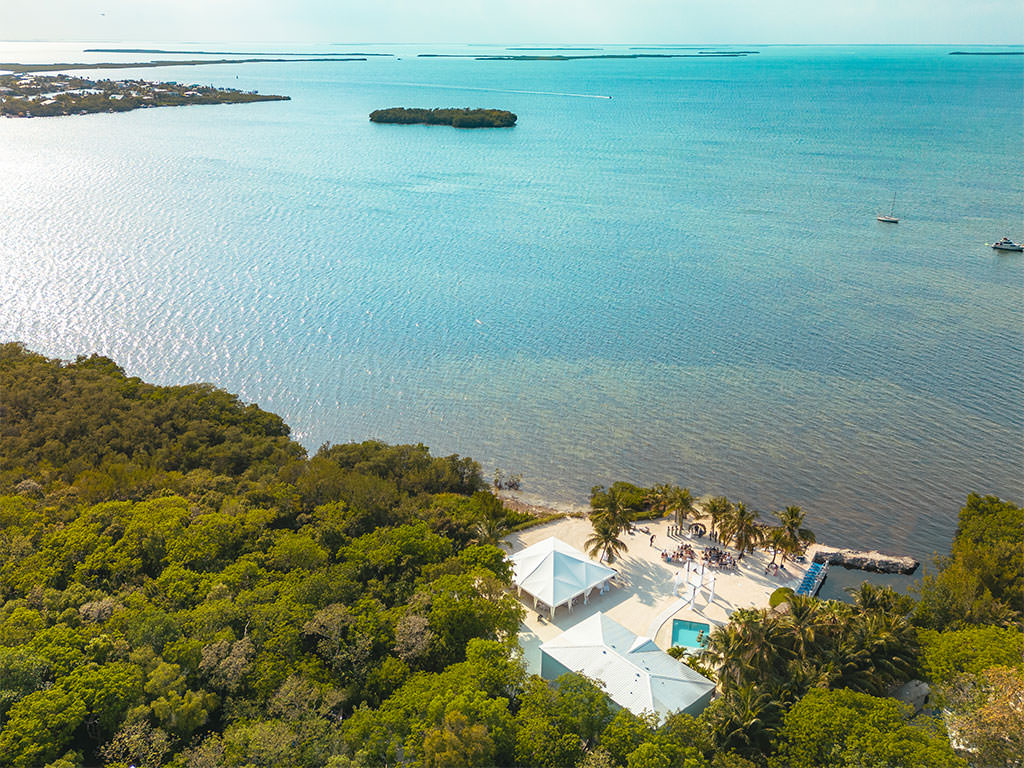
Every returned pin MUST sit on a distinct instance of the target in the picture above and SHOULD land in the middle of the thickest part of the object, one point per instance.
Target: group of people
(718, 557)
(711, 556)
(695, 529)
(680, 554)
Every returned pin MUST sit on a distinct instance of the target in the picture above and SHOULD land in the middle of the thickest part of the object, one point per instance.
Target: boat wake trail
(496, 90)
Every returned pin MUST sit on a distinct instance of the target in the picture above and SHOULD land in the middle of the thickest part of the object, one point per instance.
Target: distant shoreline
(701, 55)
(33, 95)
(226, 53)
(26, 68)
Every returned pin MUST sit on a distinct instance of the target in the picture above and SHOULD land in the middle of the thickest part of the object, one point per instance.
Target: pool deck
(643, 597)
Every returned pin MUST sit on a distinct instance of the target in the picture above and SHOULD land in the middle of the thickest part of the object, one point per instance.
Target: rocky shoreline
(537, 506)
(864, 560)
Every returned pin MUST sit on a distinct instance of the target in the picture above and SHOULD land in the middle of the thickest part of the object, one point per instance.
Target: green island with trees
(456, 117)
(53, 95)
(182, 585)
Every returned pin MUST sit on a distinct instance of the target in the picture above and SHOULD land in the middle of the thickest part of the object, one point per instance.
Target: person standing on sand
(652, 539)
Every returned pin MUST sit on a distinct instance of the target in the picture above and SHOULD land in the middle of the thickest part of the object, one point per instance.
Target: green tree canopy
(846, 729)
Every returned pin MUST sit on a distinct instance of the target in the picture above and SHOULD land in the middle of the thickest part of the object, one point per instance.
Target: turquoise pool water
(685, 633)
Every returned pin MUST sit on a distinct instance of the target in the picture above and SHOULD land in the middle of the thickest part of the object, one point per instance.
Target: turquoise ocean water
(684, 282)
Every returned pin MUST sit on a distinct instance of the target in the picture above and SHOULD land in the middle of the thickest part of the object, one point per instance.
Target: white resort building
(654, 599)
(637, 675)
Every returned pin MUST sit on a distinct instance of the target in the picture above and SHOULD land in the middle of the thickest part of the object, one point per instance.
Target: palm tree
(659, 499)
(491, 530)
(762, 637)
(887, 647)
(792, 519)
(614, 506)
(491, 518)
(682, 505)
(777, 540)
(743, 529)
(718, 508)
(802, 622)
(745, 720)
(871, 598)
(725, 651)
(668, 499)
(605, 540)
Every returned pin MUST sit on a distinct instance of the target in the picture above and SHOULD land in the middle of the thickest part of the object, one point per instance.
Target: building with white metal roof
(636, 674)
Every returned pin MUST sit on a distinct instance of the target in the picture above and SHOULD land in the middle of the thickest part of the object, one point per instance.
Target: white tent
(636, 674)
(555, 573)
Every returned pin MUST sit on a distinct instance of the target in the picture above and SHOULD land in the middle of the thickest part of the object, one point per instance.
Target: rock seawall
(865, 561)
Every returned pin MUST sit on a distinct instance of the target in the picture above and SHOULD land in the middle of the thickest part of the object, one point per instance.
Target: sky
(519, 21)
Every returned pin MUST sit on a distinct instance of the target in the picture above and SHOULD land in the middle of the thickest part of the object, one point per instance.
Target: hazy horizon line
(703, 43)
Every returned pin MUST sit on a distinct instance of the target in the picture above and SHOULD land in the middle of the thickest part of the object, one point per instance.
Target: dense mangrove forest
(183, 584)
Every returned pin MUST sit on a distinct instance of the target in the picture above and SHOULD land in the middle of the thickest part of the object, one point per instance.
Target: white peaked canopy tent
(555, 573)
(637, 675)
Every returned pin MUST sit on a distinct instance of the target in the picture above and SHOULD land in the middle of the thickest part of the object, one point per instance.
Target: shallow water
(682, 283)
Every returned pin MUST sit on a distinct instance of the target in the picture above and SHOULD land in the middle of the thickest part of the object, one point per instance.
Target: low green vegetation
(49, 96)
(458, 118)
(846, 729)
(980, 582)
(181, 585)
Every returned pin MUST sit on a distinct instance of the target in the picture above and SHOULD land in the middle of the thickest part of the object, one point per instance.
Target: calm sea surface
(684, 282)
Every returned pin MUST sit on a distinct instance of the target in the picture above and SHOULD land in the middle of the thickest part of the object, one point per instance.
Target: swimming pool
(685, 633)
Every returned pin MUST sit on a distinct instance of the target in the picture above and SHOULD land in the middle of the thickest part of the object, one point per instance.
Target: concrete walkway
(661, 618)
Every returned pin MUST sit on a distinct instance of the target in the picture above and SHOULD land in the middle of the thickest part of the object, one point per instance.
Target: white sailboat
(890, 218)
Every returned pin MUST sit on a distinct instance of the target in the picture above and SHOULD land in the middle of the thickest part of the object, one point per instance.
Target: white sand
(642, 598)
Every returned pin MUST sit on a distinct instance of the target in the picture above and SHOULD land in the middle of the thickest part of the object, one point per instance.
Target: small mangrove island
(49, 95)
(458, 118)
